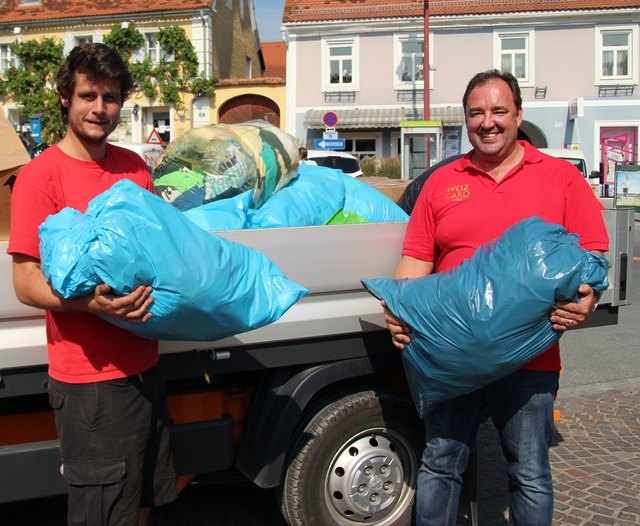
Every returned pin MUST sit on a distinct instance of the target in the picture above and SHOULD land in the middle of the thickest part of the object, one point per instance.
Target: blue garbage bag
(312, 198)
(490, 316)
(366, 203)
(204, 287)
(224, 214)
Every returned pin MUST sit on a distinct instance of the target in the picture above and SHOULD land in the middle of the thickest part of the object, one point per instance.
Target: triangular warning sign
(154, 137)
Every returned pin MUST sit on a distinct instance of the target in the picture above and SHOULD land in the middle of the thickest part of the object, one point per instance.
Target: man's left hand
(570, 315)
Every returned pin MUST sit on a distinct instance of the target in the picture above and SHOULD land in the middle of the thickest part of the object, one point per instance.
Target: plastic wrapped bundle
(490, 316)
(204, 287)
(223, 160)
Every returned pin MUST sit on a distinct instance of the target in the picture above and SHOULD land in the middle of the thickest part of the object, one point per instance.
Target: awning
(449, 115)
(383, 118)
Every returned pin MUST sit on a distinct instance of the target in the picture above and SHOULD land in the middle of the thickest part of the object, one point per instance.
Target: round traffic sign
(330, 119)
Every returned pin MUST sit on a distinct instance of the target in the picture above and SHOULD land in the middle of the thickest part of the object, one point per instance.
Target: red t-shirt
(461, 207)
(82, 347)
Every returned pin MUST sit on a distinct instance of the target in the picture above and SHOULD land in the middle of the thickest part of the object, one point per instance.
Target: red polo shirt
(461, 207)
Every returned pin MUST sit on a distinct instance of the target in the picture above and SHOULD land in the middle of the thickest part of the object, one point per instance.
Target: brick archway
(248, 107)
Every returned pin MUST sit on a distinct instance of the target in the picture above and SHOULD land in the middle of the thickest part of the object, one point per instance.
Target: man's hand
(398, 329)
(132, 308)
(570, 315)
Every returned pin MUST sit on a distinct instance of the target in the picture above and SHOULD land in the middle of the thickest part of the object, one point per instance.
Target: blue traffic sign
(330, 119)
(330, 144)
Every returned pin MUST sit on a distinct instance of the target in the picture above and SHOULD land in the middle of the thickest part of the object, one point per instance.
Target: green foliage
(124, 39)
(32, 84)
(175, 74)
(369, 166)
(388, 167)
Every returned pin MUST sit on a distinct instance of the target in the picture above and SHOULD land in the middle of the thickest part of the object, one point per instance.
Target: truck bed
(327, 260)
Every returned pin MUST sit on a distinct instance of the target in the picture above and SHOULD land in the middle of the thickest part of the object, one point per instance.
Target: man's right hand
(133, 307)
(398, 329)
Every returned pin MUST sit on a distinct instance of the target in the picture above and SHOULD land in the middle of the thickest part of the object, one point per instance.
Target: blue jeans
(521, 407)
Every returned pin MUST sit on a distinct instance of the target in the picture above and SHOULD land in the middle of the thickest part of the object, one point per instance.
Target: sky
(269, 18)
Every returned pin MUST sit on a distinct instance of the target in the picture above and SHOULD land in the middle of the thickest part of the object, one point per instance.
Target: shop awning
(449, 115)
(384, 117)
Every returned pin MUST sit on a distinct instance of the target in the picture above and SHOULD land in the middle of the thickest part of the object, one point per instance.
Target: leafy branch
(32, 83)
(174, 74)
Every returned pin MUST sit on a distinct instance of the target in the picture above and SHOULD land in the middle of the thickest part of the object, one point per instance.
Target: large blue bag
(223, 214)
(367, 203)
(204, 287)
(312, 198)
(490, 316)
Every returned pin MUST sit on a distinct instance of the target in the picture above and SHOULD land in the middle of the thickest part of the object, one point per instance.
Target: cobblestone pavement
(595, 460)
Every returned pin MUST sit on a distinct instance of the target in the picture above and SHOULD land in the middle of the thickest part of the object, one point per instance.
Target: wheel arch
(278, 407)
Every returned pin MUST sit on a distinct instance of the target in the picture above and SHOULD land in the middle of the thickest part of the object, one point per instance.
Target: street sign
(330, 135)
(330, 144)
(154, 137)
(330, 119)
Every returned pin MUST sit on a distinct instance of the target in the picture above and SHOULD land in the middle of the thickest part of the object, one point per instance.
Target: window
(339, 65)
(247, 67)
(7, 58)
(409, 63)
(513, 53)
(229, 4)
(616, 55)
(153, 48)
(412, 61)
(362, 144)
(84, 39)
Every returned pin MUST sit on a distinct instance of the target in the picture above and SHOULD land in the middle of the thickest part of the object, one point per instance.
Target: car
(575, 157)
(149, 152)
(346, 162)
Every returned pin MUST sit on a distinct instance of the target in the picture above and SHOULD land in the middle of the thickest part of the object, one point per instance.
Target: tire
(354, 463)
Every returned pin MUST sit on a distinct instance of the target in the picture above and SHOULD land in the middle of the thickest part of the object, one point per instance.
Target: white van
(575, 157)
(149, 152)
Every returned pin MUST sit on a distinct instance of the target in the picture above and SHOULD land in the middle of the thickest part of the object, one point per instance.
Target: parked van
(149, 152)
(575, 157)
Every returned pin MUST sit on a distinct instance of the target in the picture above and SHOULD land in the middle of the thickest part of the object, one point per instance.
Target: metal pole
(427, 65)
(425, 73)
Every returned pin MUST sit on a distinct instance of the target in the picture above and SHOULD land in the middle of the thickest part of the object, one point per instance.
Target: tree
(174, 74)
(31, 83)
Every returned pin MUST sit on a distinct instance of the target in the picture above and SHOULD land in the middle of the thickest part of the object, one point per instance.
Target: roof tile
(325, 10)
(12, 12)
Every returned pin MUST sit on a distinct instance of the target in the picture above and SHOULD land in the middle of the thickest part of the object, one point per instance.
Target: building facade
(223, 33)
(577, 63)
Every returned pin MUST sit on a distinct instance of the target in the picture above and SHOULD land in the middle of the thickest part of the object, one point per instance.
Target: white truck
(314, 404)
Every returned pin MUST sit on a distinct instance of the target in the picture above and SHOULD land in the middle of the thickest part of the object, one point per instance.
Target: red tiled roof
(324, 10)
(275, 59)
(12, 12)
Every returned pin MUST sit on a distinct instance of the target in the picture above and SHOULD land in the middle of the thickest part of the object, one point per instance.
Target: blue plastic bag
(367, 203)
(204, 287)
(224, 214)
(490, 316)
(312, 198)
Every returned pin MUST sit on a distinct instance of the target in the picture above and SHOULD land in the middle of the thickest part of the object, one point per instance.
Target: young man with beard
(505, 181)
(107, 393)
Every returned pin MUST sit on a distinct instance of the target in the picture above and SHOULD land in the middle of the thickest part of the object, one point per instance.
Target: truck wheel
(354, 463)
